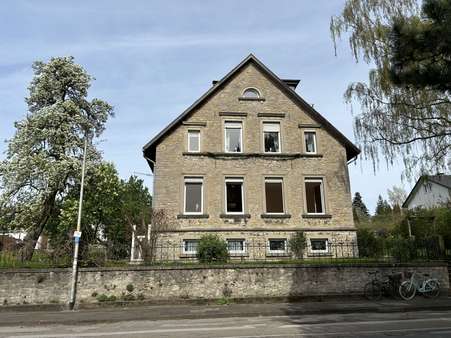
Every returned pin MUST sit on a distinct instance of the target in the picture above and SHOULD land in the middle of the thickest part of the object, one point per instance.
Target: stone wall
(175, 283)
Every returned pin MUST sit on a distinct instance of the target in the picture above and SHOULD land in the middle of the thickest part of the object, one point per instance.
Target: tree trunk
(32, 236)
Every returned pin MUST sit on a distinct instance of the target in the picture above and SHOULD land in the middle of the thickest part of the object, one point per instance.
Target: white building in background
(430, 192)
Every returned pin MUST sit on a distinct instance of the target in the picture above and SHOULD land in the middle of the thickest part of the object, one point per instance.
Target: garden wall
(172, 284)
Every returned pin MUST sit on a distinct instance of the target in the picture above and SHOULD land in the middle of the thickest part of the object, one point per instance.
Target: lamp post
(77, 233)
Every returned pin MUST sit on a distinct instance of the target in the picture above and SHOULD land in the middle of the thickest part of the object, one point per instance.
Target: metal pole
(77, 235)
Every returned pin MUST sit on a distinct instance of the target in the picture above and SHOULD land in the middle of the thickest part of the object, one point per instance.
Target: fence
(111, 254)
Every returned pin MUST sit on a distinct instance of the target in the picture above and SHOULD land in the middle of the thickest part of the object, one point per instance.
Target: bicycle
(374, 289)
(428, 287)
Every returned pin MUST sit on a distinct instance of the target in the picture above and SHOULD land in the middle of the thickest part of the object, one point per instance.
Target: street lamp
(77, 233)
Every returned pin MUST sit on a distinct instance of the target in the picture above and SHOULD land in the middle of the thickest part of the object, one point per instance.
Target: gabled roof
(351, 150)
(443, 180)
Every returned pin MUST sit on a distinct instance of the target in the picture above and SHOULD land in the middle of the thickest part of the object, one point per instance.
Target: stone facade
(175, 284)
(173, 162)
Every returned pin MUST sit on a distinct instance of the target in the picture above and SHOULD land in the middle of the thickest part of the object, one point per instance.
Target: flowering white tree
(44, 156)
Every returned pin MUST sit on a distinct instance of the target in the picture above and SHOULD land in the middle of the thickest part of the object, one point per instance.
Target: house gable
(248, 64)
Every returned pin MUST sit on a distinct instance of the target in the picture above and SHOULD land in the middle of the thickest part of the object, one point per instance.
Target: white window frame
(315, 180)
(314, 142)
(266, 124)
(237, 251)
(275, 180)
(193, 131)
(189, 252)
(234, 180)
(277, 251)
(233, 125)
(319, 251)
(259, 95)
(193, 180)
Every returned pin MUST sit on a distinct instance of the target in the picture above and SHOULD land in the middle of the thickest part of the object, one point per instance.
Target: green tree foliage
(422, 48)
(44, 156)
(395, 120)
(297, 244)
(212, 249)
(369, 244)
(382, 207)
(359, 209)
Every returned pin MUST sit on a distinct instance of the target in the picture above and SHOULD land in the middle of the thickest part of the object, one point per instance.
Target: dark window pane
(271, 141)
(274, 197)
(190, 245)
(313, 195)
(193, 197)
(319, 244)
(234, 197)
(277, 245)
(233, 140)
(310, 142)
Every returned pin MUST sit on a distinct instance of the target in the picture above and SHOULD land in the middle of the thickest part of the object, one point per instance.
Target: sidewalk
(162, 312)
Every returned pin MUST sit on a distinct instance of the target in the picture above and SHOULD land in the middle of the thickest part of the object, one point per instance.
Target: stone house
(253, 162)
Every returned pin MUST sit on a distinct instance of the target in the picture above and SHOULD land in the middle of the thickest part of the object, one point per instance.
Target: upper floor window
(193, 140)
(314, 194)
(271, 137)
(233, 137)
(310, 142)
(251, 93)
(193, 195)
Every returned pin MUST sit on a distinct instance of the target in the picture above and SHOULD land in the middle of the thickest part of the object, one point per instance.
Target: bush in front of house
(297, 244)
(212, 249)
(370, 245)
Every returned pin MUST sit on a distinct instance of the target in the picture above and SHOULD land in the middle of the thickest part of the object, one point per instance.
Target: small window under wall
(271, 137)
(314, 194)
(319, 245)
(194, 141)
(277, 246)
(310, 142)
(189, 246)
(236, 246)
(193, 196)
(251, 93)
(234, 196)
(274, 196)
(233, 137)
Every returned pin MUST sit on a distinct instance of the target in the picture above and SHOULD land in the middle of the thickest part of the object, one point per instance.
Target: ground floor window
(236, 246)
(319, 245)
(190, 246)
(274, 195)
(314, 195)
(277, 245)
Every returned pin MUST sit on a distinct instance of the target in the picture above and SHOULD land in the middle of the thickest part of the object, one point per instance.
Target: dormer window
(251, 93)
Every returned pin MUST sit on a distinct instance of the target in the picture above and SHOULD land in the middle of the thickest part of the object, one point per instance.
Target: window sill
(312, 155)
(187, 255)
(316, 216)
(277, 216)
(261, 99)
(183, 216)
(235, 216)
(272, 156)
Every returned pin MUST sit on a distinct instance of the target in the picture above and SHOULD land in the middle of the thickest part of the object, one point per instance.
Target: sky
(153, 59)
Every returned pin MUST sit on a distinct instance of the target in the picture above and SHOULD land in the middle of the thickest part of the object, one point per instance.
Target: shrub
(102, 298)
(369, 244)
(297, 244)
(402, 249)
(212, 249)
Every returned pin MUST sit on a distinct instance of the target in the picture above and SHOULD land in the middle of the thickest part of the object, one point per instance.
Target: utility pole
(77, 233)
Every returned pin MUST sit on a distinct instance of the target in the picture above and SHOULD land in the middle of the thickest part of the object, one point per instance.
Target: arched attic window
(251, 93)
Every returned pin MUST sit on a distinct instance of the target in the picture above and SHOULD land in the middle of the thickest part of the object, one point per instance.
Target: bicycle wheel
(431, 288)
(373, 291)
(407, 290)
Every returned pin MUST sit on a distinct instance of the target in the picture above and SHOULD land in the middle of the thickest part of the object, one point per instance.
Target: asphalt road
(412, 324)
